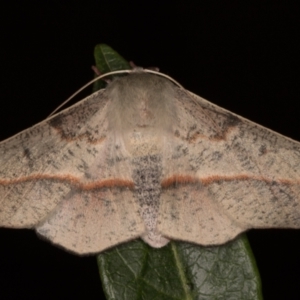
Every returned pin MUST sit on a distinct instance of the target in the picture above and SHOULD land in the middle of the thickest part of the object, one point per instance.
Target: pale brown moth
(146, 158)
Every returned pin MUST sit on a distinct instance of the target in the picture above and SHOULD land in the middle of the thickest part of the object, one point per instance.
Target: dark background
(241, 55)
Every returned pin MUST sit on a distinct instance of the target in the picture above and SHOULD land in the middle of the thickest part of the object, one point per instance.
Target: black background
(241, 55)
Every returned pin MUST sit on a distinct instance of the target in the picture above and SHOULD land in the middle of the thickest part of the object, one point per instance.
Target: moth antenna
(134, 66)
(86, 85)
(135, 70)
(98, 73)
(96, 70)
(163, 75)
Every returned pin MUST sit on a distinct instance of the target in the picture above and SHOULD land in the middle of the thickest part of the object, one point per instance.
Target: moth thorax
(141, 100)
(144, 115)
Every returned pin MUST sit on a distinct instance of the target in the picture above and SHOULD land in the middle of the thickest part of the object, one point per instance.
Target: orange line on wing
(178, 179)
(241, 177)
(69, 179)
(108, 183)
(188, 179)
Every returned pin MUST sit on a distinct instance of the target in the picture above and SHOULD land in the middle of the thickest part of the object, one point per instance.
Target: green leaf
(107, 60)
(179, 270)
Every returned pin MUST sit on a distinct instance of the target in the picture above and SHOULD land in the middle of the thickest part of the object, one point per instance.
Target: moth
(146, 158)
